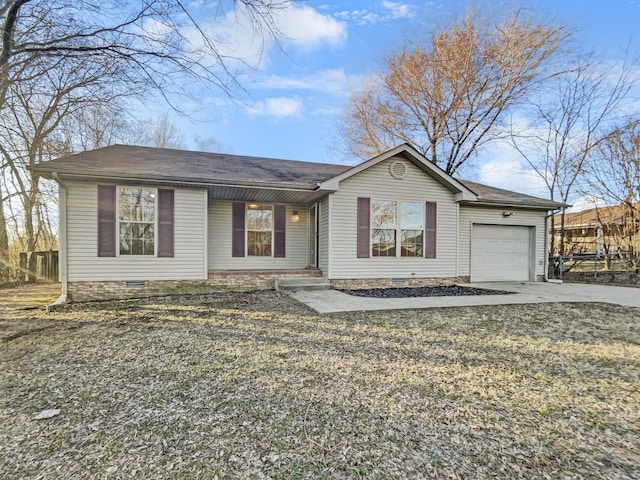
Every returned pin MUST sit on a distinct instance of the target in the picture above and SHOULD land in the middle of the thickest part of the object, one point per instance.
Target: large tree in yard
(449, 95)
(60, 58)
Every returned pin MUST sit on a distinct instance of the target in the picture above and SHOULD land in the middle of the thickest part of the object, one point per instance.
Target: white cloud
(386, 11)
(332, 81)
(278, 107)
(511, 175)
(504, 168)
(240, 41)
(305, 27)
(398, 10)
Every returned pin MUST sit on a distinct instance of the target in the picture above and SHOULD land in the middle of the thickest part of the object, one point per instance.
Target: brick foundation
(218, 281)
(87, 291)
(364, 283)
(256, 280)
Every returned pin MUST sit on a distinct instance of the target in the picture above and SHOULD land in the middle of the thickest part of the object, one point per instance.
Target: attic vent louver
(398, 170)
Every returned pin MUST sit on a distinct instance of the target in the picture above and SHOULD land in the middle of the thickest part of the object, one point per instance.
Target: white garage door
(500, 253)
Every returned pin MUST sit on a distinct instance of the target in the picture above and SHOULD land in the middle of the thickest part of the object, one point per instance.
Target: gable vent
(398, 170)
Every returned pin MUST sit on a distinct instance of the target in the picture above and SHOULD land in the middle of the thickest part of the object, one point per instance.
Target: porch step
(302, 283)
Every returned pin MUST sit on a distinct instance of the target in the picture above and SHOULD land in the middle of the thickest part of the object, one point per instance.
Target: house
(600, 231)
(140, 221)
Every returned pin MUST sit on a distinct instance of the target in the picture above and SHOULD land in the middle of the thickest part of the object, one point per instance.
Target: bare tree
(61, 58)
(161, 133)
(567, 122)
(449, 95)
(614, 176)
(34, 110)
(160, 41)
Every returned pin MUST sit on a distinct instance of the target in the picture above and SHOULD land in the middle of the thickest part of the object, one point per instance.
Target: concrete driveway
(328, 301)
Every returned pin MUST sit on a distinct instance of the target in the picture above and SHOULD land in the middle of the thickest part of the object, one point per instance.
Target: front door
(313, 236)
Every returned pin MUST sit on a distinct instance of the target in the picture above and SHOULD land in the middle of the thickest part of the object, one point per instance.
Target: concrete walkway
(329, 301)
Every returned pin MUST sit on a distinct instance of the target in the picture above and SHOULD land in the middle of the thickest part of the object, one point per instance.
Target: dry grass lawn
(256, 386)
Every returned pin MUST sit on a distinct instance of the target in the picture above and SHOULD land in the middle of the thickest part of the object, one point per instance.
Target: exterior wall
(220, 232)
(188, 262)
(377, 184)
(324, 236)
(470, 214)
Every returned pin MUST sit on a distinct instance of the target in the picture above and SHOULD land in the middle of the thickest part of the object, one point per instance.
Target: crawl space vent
(398, 170)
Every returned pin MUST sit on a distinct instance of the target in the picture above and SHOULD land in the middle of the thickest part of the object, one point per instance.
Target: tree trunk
(4, 243)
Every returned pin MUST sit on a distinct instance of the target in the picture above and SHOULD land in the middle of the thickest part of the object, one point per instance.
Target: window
(259, 230)
(383, 228)
(411, 229)
(391, 220)
(137, 220)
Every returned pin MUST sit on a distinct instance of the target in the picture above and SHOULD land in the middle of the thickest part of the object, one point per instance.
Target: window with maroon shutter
(106, 221)
(430, 230)
(165, 222)
(237, 235)
(363, 240)
(279, 230)
(137, 221)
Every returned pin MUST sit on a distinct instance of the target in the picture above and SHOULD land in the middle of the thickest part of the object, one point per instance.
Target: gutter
(62, 242)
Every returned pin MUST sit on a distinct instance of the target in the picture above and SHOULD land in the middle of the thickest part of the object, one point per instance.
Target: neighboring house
(612, 230)
(138, 220)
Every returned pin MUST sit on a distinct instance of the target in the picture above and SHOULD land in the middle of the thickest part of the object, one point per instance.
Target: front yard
(256, 386)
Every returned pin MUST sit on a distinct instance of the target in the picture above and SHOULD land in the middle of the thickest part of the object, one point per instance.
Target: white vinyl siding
(324, 236)
(470, 215)
(377, 182)
(82, 239)
(220, 233)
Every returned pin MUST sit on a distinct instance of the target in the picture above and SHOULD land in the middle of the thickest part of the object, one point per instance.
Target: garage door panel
(500, 253)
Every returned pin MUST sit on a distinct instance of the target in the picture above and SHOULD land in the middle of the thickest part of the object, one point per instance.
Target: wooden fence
(39, 266)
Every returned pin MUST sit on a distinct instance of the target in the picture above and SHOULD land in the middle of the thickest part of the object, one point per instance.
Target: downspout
(62, 241)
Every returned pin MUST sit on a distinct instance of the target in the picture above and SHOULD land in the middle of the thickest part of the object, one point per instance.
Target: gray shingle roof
(498, 196)
(182, 166)
(133, 162)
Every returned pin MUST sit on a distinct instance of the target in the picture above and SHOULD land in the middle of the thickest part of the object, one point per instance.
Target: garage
(501, 253)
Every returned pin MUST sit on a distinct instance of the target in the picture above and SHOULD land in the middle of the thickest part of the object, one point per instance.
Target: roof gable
(407, 152)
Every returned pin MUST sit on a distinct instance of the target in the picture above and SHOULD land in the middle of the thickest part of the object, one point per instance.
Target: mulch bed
(440, 291)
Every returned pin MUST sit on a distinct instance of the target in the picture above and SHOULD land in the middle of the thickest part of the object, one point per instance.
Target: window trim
(119, 188)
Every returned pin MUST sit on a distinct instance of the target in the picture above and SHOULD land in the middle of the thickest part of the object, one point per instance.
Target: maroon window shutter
(237, 236)
(106, 221)
(430, 230)
(279, 230)
(165, 222)
(364, 220)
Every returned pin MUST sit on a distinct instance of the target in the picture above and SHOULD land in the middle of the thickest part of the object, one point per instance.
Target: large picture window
(137, 220)
(259, 230)
(392, 220)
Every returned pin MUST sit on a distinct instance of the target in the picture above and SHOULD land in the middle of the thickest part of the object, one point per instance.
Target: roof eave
(82, 176)
(530, 206)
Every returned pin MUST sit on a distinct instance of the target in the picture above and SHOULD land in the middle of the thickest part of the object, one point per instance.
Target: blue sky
(296, 90)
